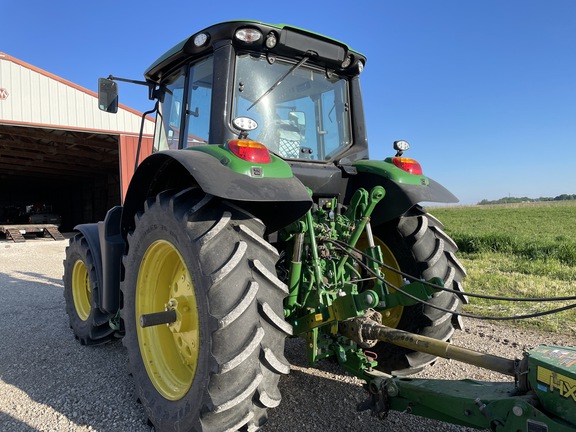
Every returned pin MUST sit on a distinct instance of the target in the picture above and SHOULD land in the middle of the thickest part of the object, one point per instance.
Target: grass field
(517, 250)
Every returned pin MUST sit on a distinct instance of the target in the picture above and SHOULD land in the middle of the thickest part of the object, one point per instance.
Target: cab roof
(291, 42)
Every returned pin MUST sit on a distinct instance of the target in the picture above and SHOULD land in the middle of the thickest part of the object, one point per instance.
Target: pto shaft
(372, 330)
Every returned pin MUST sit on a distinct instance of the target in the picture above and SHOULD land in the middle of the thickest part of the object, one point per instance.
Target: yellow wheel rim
(390, 317)
(169, 352)
(81, 292)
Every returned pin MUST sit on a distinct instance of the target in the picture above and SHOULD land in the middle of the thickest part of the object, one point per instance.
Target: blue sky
(484, 90)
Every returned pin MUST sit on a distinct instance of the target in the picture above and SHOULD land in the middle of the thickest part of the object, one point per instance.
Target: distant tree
(562, 197)
(513, 200)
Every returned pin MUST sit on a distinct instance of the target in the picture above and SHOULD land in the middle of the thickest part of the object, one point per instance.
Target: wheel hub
(81, 291)
(169, 352)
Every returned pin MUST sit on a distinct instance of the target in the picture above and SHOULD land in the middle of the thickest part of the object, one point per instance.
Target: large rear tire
(89, 323)
(217, 366)
(416, 244)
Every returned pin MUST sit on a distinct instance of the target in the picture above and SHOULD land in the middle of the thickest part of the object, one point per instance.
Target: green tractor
(259, 216)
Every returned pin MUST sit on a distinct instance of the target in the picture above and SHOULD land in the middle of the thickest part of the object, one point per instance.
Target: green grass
(518, 250)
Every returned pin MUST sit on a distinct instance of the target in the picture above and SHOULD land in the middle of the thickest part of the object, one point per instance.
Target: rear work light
(409, 165)
(251, 151)
(248, 35)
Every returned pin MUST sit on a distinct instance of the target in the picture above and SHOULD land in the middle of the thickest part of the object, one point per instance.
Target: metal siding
(17, 108)
(35, 109)
(5, 104)
(49, 92)
(128, 149)
(43, 103)
(37, 97)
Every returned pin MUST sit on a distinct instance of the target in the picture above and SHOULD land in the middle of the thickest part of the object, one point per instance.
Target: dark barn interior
(74, 174)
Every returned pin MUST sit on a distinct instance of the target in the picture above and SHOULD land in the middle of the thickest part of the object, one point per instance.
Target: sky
(484, 90)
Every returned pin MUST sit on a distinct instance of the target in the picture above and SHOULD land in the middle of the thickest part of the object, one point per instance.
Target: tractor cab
(294, 88)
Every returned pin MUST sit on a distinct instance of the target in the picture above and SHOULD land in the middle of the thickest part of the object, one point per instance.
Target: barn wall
(128, 150)
(59, 149)
(37, 97)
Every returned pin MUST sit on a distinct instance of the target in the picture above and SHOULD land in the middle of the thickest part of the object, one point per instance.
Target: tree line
(515, 200)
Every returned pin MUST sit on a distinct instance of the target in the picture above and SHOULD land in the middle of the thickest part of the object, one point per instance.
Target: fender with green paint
(403, 190)
(268, 190)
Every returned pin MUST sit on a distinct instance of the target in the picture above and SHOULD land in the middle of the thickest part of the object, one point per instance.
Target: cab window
(189, 108)
(169, 117)
(199, 103)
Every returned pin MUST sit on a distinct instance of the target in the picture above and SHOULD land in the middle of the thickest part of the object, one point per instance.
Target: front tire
(218, 365)
(90, 325)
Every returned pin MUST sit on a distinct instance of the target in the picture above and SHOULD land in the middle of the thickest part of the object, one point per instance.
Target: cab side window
(169, 118)
(199, 103)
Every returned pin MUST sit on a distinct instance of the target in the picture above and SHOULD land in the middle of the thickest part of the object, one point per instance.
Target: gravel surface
(49, 382)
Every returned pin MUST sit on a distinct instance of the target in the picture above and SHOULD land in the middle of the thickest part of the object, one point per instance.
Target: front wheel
(89, 323)
(217, 366)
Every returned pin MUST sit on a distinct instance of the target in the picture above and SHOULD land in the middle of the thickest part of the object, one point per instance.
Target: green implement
(542, 397)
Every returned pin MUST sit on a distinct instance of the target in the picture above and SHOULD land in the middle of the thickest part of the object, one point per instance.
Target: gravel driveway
(49, 382)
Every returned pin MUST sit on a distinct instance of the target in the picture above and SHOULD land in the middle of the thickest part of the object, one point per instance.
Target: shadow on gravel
(326, 399)
(55, 384)
(40, 277)
(52, 381)
(9, 423)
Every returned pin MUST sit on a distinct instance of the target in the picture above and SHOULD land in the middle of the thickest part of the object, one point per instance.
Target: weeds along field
(517, 250)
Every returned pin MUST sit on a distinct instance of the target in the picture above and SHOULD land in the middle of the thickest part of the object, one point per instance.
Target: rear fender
(278, 201)
(403, 190)
(113, 247)
(106, 248)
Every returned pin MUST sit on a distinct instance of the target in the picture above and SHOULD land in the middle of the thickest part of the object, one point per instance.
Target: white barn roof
(32, 97)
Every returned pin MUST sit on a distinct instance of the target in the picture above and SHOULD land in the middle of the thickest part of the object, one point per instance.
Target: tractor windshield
(305, 116)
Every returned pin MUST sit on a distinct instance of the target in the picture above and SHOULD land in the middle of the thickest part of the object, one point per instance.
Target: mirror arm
(154, 92)
(113, 78)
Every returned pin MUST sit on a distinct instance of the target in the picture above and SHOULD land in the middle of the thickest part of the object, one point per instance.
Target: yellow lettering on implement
(566, 386)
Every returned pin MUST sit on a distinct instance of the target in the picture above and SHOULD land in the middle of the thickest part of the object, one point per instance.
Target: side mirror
(107, 95)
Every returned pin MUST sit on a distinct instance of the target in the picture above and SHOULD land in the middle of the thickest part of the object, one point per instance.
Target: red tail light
(409, 165)
(251, 151)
